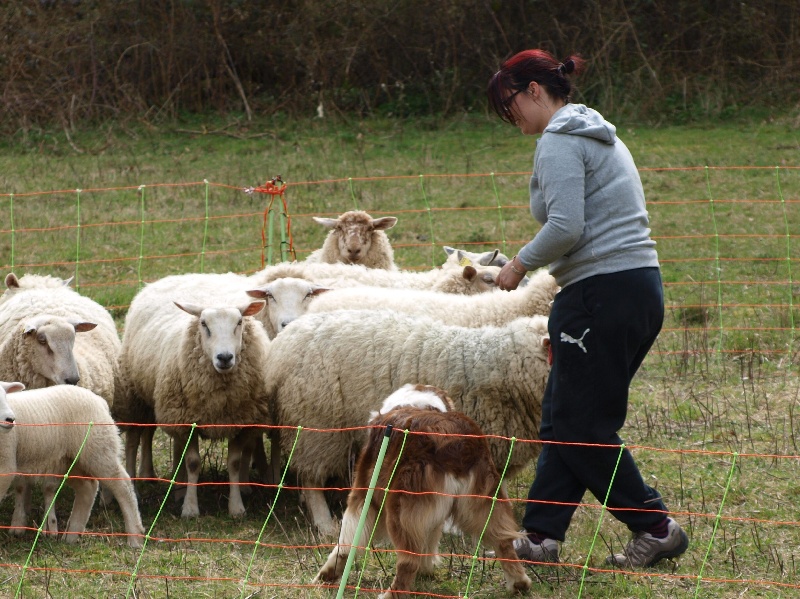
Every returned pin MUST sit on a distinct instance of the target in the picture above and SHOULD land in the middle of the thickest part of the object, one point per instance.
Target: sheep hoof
(190, 512)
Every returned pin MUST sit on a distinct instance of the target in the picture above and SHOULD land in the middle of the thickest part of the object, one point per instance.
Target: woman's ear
(533, 89)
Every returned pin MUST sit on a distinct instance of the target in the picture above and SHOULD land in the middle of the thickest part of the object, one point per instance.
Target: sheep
(356, 238)
(355, 275)
(187, 358)
(441, 469)
(491, 258)
(328, 371)
(44, 311)
(494, 308)
(29, 448)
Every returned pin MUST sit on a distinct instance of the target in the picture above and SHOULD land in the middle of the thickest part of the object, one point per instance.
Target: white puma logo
(579, 342)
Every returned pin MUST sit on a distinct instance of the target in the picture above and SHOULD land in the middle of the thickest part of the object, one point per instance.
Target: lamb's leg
(122, 487)
(49, 487)
(274, 457)
(235, 445)
(146, 468)
(85, 494)
(320, 513)
(22, 506)
(132, 439)
(180, 475)
(192, 462)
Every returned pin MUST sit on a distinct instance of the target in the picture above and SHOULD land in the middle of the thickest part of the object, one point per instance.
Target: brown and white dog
(445, 471)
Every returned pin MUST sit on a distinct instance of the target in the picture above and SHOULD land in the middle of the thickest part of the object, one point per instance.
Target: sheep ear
(381, 224)
(252, 308)
(463, 259)
(470, 273)
(12, 387)
(488, 257)
(328, 223)
(68, 281)
(448, 250)
(29, 328)
(12, 282)
(318, 290)
(190, 309)
(82, 327)
(258, 293)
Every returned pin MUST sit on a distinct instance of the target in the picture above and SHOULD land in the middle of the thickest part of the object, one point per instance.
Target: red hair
(537, 65)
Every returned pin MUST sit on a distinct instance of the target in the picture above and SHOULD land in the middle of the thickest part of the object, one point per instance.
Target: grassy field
(713, 416)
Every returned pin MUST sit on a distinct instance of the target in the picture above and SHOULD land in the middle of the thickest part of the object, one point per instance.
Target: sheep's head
(287, 298)
(220, 332)
(355, 232)
(458, 257)
(7, 417)
(467, 280)
(50, 344)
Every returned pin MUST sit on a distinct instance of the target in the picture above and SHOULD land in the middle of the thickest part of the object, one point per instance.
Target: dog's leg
(334, 566)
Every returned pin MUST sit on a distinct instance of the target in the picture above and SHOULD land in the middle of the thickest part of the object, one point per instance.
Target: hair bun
(567, 67)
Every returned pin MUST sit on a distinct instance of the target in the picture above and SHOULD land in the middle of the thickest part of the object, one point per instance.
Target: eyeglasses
(510, 99)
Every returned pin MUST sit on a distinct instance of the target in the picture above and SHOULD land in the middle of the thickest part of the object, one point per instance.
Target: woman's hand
(510, 275)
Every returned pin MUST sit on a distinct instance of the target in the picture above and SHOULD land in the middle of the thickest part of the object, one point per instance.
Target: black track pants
(600, 329)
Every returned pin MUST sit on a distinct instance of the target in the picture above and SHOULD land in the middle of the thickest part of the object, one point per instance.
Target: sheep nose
(10, 420)
(225, 360)
(72, 380)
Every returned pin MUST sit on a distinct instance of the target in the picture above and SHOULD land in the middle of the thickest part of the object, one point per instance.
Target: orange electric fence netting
(728, 244)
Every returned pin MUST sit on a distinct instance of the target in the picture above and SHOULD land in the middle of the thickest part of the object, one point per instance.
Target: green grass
(714, 409)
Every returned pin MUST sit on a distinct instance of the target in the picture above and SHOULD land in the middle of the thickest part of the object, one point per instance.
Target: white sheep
(494, 308)
(356, 275)
(489, 258)
(356, 238)
(188, 358)
(329, 371)
(32, 449)
(44, 311)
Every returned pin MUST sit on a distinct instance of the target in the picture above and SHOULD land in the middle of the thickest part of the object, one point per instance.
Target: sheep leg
(85, 494)
(146, 468)
(235, 465)
(22, 506)
(49, 493)
(320, 512)
(274, 474)
(132, 439)
(192, 464)
(120, 484)
(180, 473)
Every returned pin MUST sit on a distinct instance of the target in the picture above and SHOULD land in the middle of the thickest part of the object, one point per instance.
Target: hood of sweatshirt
(577, 119)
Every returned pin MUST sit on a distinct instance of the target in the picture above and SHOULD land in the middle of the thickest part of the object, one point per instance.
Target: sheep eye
(41, 339)
(205, 327)
(238, 324)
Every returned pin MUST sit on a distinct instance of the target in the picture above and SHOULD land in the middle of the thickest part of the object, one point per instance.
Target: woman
(595, 237)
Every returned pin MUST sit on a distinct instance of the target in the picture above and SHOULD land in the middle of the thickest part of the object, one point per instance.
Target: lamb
(187, 358)
(356, 238)
(495, 308)
(29, 448)
(329, 371)
(39, 316)
(442, 470)
(355, 275)
(491, 258)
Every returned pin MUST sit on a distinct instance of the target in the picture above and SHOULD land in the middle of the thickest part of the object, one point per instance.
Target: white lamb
(356, 238)
(490, 258)
(494, 308)
(189, 358)
(29, 448)
(330, 371)
(355, 275)
(39, 316)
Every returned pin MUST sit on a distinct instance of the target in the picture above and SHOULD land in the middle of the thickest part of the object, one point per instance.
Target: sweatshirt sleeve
(560, 171)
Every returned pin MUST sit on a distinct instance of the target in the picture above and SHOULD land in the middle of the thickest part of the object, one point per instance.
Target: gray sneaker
(546, 552)
(645, 550)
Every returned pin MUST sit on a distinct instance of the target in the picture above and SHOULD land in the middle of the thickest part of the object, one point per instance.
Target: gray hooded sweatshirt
(587, 194)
